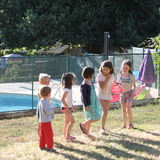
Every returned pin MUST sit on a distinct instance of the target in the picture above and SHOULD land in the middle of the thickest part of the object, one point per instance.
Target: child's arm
(118, 78)
(133, 83)
(86, 109)
(64, 102)
(38, 94)
(104, 84)
(85, 95)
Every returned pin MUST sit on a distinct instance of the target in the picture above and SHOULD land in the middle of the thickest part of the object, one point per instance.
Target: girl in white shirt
(67, 81)
(104, 83)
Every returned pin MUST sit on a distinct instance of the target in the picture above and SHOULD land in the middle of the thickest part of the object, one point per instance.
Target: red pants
(46, 135)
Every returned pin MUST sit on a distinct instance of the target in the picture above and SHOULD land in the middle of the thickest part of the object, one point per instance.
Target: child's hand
(73, 108)
(86, 109)
(108, 76)
(54, 109)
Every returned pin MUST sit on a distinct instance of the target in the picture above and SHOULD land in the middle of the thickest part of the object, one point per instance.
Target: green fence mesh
(19, 75)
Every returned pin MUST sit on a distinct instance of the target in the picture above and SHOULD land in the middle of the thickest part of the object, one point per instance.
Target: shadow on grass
(128, 142)
(80, 152)
(134, 144)
(154, 134)
(143, 148)
(119, 153)
(132, 138)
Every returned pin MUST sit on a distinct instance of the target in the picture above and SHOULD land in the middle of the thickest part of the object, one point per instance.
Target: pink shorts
(126, 96)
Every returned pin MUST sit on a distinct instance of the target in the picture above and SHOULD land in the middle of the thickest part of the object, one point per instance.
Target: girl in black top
(92, 111)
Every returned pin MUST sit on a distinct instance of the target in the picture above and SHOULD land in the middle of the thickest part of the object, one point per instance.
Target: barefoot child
(104, 83)
(67, 81)
(127, 79)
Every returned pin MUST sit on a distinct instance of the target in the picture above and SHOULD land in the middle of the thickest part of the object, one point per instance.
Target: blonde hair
(43, 75)
(44, 91)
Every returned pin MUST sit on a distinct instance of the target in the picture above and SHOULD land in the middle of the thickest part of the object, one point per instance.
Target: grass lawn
(19, 140)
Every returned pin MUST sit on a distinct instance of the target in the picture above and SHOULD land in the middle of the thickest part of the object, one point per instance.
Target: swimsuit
(126, 80)
(62, 108)
(126, 96)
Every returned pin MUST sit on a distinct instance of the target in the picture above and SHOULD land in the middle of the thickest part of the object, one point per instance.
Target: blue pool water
(14, 102)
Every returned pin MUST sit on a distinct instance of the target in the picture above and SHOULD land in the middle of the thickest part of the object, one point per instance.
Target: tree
(157, 54)
(41, 23)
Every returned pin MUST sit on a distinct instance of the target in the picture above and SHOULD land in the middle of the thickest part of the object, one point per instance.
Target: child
(128, 86)
(45, 112)
(67, 81)
(44, 79)
(92, 111)
(104, 83)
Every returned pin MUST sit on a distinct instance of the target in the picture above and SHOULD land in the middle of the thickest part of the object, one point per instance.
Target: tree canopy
(41, 23)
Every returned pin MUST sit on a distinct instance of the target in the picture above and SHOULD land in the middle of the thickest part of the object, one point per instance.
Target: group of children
(95, 106)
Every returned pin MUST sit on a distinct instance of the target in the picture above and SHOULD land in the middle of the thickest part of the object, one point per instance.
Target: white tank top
(68, 98)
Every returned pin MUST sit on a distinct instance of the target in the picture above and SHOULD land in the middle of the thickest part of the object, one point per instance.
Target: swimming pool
(15, 102)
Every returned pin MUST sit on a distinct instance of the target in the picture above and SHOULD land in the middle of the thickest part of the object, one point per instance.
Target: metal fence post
(158, 78)
(106, 43)
(32, 80)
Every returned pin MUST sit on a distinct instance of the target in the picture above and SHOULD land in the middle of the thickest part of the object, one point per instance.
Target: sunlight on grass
(19, 140)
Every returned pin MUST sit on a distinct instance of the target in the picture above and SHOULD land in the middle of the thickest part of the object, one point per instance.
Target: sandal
(82, 129)
(70, 138)
(103, 131)
(123, 127)
(73, 137)
(130, 126)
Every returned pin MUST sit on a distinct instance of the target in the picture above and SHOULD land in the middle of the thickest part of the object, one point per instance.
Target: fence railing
(24, 71)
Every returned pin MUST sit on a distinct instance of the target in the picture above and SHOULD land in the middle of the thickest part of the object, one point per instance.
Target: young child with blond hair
(44, 79)
(45, 113)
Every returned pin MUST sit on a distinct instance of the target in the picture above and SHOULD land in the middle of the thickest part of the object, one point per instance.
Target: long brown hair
(127, 62)
(66, 80)
(107, 64)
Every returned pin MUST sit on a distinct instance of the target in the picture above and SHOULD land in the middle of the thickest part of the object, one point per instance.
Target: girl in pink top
(105, 79)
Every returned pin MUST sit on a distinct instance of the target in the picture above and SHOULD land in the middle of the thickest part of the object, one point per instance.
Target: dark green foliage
(41, 23)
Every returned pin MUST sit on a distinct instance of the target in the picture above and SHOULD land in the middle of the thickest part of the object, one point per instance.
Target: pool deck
(26, 88)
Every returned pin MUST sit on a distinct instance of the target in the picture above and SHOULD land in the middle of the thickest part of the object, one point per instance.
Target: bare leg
(69, 121)
(105, 105)
(124, 114)
(66, 122)
(86, 124)
(129, 112)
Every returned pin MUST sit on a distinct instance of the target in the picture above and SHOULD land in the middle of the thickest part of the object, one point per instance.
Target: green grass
(18, 138)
